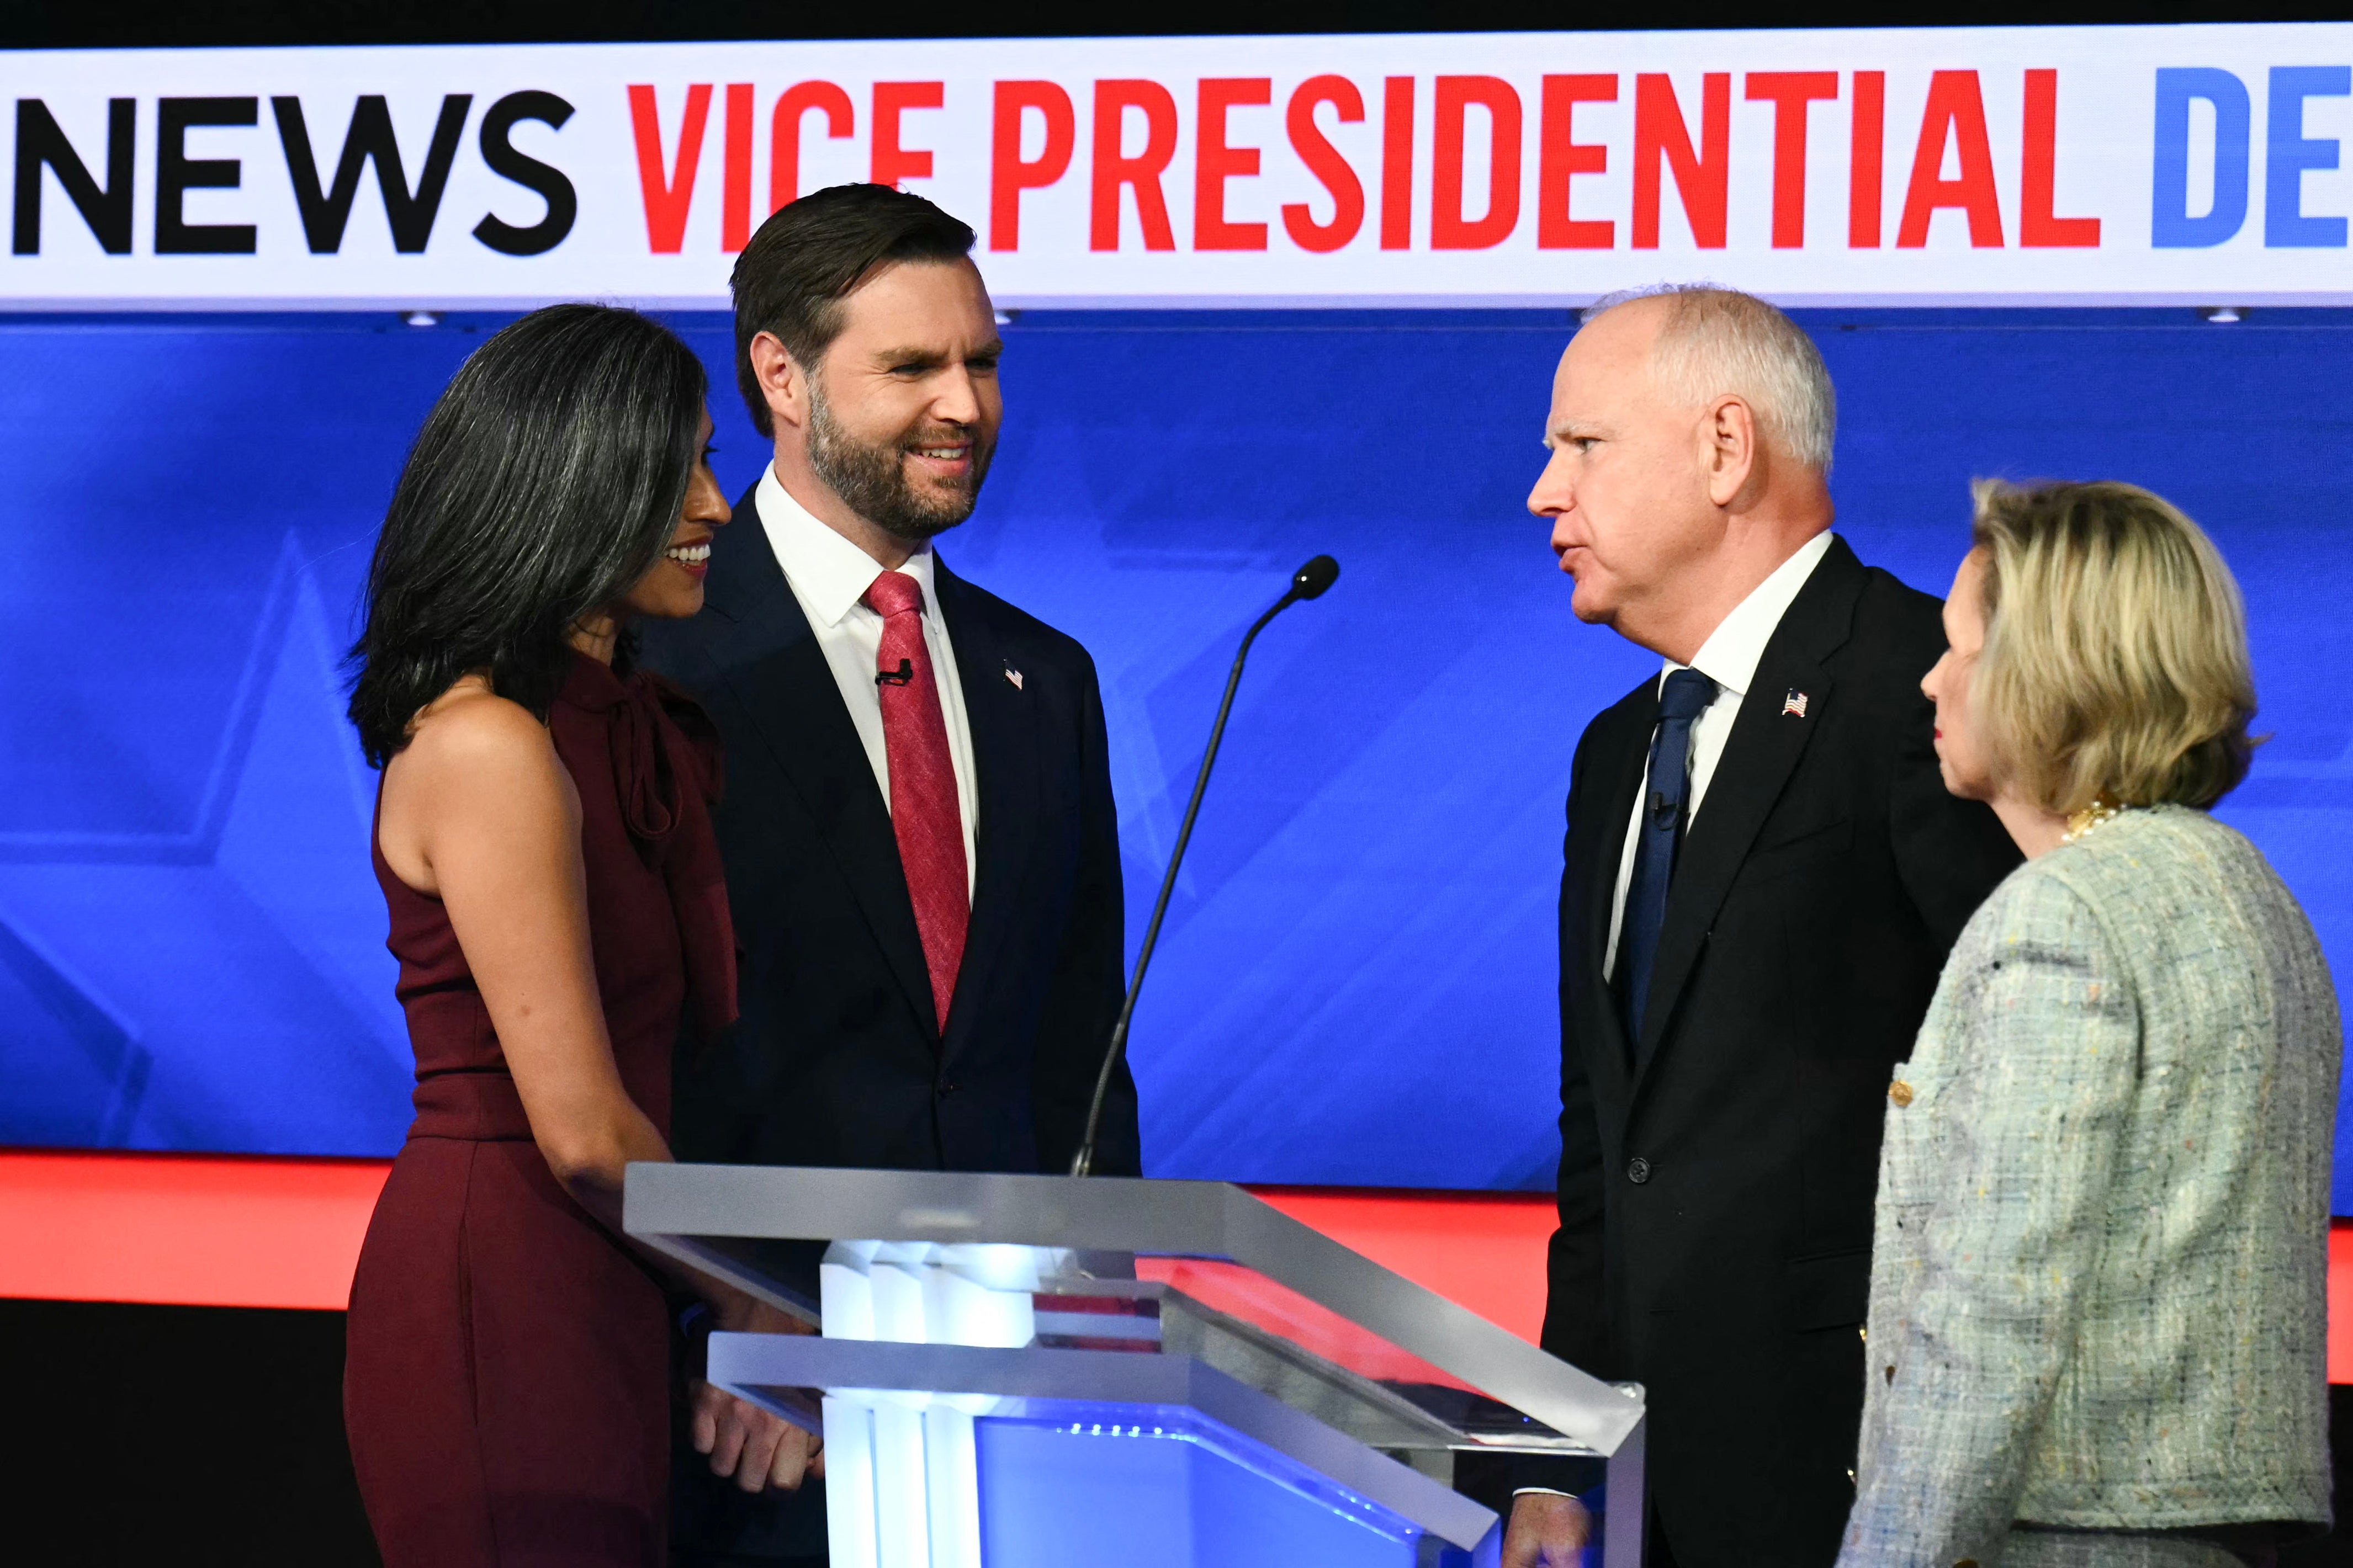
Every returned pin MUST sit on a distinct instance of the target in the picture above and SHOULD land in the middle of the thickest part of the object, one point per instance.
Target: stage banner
(2096, 165)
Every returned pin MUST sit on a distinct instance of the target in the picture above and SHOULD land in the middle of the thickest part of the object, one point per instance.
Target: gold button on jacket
(1900, 1092)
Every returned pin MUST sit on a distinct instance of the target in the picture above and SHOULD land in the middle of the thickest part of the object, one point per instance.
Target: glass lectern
(1027, 1372)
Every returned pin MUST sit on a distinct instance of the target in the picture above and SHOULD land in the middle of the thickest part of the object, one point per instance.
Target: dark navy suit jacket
(838, 1059)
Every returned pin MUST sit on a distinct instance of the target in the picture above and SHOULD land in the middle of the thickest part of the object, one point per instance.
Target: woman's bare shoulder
(470, 727)
(479, 773)
(470, 745)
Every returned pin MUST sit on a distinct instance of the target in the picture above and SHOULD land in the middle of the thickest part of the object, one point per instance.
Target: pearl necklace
(2095, 816)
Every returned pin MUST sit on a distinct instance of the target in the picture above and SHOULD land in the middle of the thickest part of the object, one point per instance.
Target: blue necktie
(1685, 698)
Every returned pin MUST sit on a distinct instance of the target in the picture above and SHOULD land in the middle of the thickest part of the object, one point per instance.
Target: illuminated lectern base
(1169, 1489)
(1080, 1485)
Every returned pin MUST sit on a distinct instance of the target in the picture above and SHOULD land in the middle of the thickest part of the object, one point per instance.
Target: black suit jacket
(1717, 1174)
(838, 1059)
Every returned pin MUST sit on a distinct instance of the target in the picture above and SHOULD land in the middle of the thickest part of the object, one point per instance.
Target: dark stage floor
(141, 1436)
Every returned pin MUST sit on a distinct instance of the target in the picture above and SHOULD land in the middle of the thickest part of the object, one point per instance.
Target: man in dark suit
(1763, 875)
(922, 854)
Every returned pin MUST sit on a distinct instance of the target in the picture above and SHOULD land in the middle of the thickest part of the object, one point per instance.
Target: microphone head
(1310, 581)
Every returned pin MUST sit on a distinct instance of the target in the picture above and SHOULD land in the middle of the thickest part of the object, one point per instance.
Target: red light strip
(183, 1230)
(234, 1231)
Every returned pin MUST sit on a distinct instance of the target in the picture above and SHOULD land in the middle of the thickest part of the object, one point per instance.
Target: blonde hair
(1717, 341)
(2116, 664)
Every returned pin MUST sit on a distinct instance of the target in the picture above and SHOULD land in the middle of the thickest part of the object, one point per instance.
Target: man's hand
(1547, 1530)
(759, 1449)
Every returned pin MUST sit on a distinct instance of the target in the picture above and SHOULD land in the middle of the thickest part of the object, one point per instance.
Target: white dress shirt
(830, 576)
(1729, 658)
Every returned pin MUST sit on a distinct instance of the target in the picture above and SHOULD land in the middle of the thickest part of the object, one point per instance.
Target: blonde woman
(2097, 1315)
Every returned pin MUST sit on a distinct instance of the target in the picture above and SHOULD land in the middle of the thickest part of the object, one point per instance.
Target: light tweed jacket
(2098, 1283)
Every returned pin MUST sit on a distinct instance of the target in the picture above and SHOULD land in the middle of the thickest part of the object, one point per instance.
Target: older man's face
(1626, 486)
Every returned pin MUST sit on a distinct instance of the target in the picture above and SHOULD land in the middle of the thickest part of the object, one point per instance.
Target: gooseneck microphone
(1308, 583)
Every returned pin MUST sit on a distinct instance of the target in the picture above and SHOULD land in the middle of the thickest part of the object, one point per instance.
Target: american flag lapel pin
(1794, 705)
(1013, 678)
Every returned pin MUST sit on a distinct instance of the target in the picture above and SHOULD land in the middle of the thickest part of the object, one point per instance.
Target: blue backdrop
(1356, 981)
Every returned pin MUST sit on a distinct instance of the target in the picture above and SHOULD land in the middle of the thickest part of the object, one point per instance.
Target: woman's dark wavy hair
(543, 485)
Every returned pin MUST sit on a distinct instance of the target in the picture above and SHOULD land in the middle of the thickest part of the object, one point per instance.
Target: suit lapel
(1004, 740)
(1619, 781)
(1758, 758)
(769, 659)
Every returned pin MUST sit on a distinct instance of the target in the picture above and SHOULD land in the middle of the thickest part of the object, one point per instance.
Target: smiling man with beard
(921, 848)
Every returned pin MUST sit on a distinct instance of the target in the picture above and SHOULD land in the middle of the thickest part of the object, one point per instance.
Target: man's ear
(1734, 459)
(782, 382)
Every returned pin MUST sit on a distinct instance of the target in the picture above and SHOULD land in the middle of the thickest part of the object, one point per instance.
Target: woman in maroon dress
(544, 844)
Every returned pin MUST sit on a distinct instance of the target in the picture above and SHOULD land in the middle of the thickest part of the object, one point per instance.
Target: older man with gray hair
(1763, 875)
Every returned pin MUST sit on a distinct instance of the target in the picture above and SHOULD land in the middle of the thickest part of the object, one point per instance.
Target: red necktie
(926, 813)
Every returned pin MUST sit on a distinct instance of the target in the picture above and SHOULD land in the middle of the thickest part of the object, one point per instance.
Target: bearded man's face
(904, 411)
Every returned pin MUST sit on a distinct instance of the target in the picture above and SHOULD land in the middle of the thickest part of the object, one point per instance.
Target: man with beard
(918, 830)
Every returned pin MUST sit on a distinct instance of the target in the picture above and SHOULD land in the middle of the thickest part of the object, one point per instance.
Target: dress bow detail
(666, 759)
(668, 772)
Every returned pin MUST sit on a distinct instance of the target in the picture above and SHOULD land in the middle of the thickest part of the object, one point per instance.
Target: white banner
(2129, 165)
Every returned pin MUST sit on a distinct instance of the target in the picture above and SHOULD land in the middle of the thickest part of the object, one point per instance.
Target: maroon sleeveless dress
(506, 1387)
